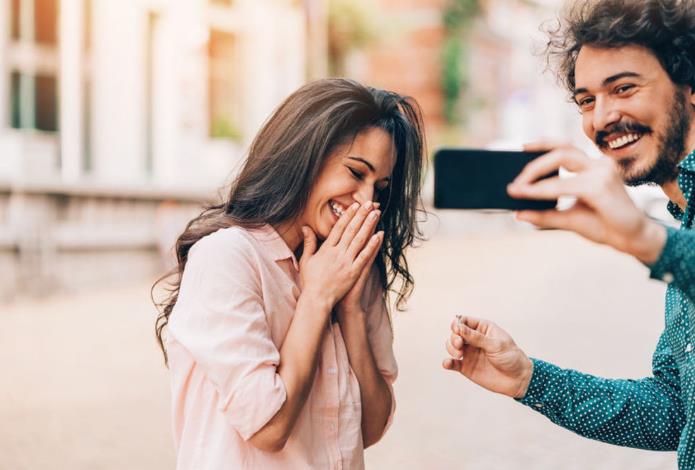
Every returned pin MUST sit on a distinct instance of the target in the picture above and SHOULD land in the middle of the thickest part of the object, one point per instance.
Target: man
(630, 67)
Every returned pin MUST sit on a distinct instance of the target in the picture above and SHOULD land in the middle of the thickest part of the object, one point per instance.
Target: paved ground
(83, 387)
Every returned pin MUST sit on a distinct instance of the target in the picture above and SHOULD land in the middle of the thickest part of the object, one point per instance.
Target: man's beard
(671, 148)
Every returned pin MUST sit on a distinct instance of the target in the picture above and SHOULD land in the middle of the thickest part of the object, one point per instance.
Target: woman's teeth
(337, 210)
(624, 140)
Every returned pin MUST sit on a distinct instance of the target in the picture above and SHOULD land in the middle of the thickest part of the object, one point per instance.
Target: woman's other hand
(328, 273)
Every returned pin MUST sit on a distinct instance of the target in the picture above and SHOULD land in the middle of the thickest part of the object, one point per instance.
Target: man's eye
(585, 103)
(623, 88)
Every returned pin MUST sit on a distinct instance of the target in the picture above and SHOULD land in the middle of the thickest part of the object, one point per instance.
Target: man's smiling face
(633, 111)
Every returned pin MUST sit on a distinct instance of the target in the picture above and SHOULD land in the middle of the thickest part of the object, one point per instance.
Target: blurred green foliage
(457, 19)
(223, 128)
(351, 26)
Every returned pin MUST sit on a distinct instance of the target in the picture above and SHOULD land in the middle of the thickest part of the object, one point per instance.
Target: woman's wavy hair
(285, 158)
(665, 27)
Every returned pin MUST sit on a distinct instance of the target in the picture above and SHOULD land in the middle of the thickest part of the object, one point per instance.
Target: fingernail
(367, 204)
(355, 206)
(376, 205)
(373, 215)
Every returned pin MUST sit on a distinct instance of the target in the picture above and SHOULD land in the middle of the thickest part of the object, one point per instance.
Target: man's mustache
(626, 127)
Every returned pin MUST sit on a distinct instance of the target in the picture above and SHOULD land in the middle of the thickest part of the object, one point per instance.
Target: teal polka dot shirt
(656, 412)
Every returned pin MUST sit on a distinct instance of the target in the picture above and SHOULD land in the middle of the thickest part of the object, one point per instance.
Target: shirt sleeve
(380, 334)
(220, 319)
(677, 261)
(645, 413)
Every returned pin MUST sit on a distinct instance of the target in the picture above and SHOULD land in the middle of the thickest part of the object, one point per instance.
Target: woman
(279, 363)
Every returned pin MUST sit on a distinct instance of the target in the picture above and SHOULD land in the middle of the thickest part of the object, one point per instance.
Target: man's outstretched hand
(488, 356)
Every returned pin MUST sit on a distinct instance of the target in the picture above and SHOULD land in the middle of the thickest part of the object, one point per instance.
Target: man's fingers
(578, 218)
(542, 145)
(452, 349)
(550, 188)
(551, 162)
(339, 227)
(474, 338)
(452, 364)
(472, 322)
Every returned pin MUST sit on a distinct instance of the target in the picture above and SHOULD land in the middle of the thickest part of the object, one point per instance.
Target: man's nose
(605, 114)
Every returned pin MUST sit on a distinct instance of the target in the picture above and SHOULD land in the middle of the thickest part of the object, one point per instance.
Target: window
(34, 66)
(223, 87)
(34, 102)
(34, 20)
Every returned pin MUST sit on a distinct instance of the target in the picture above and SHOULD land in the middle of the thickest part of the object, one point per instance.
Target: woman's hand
(331, 271)
(351, 302)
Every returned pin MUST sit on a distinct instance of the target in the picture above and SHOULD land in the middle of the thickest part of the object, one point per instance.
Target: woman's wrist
(315, 303)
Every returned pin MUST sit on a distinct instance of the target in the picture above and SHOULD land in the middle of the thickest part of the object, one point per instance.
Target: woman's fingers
(341, 224)
(369, 251)
(355, 224)
(309, 241)
(362, 236)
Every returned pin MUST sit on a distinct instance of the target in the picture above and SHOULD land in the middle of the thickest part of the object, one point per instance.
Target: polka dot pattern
(656, 412)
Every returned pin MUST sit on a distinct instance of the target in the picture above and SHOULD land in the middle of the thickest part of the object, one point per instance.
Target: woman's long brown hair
(285, 159)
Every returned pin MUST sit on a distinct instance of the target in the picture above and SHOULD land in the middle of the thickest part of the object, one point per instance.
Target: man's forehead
(596, 64)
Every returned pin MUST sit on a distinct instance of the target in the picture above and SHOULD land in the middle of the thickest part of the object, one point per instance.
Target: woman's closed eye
(356, 174)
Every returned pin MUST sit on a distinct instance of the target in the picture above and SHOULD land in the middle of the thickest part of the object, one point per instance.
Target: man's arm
(644, 413)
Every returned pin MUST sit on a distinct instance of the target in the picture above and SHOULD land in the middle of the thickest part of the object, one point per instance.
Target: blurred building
(506, 98)
(117, 118)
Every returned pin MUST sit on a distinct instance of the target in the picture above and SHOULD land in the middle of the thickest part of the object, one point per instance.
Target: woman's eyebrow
(360, 159)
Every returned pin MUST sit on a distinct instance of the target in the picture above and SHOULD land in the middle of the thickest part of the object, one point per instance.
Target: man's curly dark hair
(665, 27)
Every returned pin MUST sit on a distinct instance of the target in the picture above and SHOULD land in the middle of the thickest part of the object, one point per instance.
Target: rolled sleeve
(676, 264)
(220, 319)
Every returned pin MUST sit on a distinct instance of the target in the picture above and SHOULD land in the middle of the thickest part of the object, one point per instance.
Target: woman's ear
(692, 95)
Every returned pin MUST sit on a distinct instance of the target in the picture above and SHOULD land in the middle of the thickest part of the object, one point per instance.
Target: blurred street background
(119, 119)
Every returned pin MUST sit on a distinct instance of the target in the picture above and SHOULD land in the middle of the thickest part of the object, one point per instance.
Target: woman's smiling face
(355, 172)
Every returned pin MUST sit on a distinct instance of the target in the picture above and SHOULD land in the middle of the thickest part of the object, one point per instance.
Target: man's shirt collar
(685, 183)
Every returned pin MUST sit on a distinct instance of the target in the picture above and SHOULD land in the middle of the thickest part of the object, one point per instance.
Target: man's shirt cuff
(663, 268)
(544, 386)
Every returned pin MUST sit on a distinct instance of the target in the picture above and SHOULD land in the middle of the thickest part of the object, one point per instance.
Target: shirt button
(667, 277)
(332, 370)
(538, 405)
(689, 347)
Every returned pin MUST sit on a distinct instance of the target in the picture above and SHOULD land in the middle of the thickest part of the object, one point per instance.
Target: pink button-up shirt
(238, 295)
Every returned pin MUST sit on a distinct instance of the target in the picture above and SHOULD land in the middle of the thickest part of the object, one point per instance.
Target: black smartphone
(478, 179)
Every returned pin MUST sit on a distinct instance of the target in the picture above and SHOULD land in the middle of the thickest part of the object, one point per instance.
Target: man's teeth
(337, 210)
(624, 140)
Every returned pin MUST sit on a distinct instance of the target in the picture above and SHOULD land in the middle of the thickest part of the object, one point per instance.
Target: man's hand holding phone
(603, 212)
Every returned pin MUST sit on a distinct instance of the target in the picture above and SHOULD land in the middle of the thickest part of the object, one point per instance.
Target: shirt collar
(687, 165)
(688, 162)
(274, 244)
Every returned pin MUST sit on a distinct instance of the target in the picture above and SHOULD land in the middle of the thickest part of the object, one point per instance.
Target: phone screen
(478, 179)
